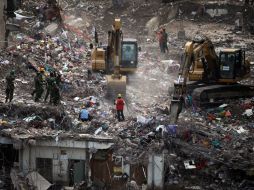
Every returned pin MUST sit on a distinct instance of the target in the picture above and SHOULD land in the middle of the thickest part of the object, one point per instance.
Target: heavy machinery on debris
(216, 77)
(118, 57)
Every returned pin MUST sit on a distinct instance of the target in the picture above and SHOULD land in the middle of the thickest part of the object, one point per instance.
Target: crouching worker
(84, 115)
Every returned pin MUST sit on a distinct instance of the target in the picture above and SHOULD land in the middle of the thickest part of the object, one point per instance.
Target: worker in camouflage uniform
(10, 86)
(58, 78)
(49, 83)
(39, 82)
(55, 94)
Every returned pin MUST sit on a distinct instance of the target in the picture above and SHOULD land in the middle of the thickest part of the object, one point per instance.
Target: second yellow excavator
(215, 77)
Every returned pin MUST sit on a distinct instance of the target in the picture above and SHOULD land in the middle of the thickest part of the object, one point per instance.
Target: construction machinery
(213, 77)
(120, 56)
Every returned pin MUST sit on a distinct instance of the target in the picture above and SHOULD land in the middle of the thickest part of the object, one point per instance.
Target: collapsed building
(46, 147)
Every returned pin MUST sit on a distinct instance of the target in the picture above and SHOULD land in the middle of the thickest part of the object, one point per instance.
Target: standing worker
(119, 107)
(58, 79)
(49, 83)
(165, 40)
(38, 82)
(55, 94)
(160, 38)
(10, 86)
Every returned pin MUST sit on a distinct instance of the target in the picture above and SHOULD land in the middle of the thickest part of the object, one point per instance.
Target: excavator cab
(129, 55)
(232, 66)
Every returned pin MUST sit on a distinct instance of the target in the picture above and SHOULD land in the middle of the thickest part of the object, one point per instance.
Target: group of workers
(52, 83)
(163, 40)
(84, 114)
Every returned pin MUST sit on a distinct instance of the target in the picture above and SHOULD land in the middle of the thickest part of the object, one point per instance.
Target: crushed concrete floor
(221, 146)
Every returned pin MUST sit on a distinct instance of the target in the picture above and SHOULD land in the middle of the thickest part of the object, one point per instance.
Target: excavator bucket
(116, 86)
(175, 110)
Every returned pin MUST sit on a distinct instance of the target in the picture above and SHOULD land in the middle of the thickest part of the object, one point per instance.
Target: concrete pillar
(3, 5)
(155, 173)
(87, 166)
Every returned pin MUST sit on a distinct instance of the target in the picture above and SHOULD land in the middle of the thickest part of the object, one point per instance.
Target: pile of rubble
(210, 143)
(217, 142)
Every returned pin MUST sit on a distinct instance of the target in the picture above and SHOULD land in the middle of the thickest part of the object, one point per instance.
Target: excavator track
(216, 93)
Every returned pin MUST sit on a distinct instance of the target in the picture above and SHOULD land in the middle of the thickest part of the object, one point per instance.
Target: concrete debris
(51, 29)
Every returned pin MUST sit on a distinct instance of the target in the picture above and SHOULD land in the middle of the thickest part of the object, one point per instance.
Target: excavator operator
(128, 54)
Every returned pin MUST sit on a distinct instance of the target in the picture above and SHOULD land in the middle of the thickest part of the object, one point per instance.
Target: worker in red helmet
(119, 107)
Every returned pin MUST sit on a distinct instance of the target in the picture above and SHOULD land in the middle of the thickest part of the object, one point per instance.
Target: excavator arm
(200, 61)
(116, 83)
(180, 84)
(115, 37)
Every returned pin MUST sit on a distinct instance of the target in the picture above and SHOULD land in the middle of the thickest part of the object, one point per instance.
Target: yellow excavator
(208, 77)
(120, 56)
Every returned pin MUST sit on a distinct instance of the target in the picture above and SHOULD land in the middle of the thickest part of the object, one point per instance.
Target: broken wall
(59, 156)
(212, 10)
(155, 171)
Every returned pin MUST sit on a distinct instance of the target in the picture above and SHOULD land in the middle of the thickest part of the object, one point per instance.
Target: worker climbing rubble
(164, 40)
(55, 94)
(49, 84)
(160, 39)
(58, 78)
(119, 107)
(38, 83)
(10, 86)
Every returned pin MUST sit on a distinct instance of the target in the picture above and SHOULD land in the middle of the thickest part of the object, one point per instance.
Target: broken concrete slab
(51, 29)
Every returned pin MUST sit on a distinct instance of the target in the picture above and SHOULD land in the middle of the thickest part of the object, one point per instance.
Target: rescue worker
(89, 103)
(84, 115)
(160, 38)
(10, 86)
(49, 83)
(165, 40)
(55, 94)
(38, 82)
(58, 79)
(128, 54)
(96, 40)
(119, 107)
(89, 74)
